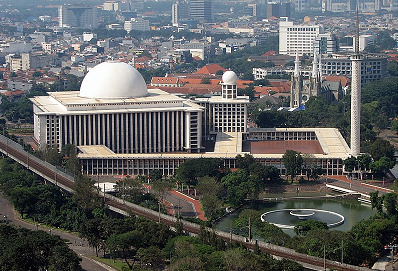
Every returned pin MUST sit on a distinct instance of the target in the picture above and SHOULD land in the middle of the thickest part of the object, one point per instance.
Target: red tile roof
(169, 80)
(343, 80)
(211, 69)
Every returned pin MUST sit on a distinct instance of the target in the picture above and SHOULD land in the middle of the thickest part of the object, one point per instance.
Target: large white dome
(112, 80)
(229, 77)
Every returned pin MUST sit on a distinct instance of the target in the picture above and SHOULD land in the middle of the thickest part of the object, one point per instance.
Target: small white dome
(112, 80)
(229, 77)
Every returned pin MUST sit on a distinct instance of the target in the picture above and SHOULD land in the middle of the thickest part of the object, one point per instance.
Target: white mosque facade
(122, 128)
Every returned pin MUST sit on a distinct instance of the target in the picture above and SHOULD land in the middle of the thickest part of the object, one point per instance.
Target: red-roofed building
(270, 53)
(166, 82)
(211, 69)
(345, 81)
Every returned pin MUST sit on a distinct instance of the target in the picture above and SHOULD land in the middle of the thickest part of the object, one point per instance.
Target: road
(77, 244)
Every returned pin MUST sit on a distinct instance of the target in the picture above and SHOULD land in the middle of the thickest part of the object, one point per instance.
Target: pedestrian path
(358, 185)
(196, 204)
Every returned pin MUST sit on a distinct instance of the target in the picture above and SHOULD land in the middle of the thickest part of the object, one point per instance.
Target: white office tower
(297, 38)
(179, 11)
(81, 16)
(202, 10)
(356, 60)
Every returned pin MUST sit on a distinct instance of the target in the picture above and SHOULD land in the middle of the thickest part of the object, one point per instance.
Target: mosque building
(121, 127)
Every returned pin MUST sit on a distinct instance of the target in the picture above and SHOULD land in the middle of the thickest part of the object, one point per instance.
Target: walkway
(361, 187)
(196, 204)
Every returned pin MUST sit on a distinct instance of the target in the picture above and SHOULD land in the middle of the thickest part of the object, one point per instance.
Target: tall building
(116, 6)
(82, 16)
(202, 10)
(297, 38)
(276, 9)
(137, 24)
(301, 5)
(179, 12)
(373, 68)
(325, 43)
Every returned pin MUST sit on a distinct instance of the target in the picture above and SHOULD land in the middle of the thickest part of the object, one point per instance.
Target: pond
(353, 211)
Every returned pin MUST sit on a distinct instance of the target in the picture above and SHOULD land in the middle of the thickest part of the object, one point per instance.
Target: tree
(303, 227)
(155, 175)
(244, 162)
(376, 201)
(380, 148)
(86, 193)
(350, 164)
(240, 186)
(394, 125)
(125, 245)
(390, 203)
(381, 166)
(130, 189)
(23, 199)
(22, 249)
(293, 162)
(192, 169)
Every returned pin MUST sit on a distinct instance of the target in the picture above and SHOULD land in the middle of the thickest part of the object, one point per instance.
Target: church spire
(296, 66)
(315, 65)
(320, 67)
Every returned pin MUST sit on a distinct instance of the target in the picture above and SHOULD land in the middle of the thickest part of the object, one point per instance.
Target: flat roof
(330, 144)
(69, 102)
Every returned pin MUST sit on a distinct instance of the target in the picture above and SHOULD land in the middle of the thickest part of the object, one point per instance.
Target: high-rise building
(297, 38)
(116, 6)
(202, 10)
(325, 43)
(179, 12)
(276, 9)
(373, 68)
(301, 5)
(137, 24)
(78, 16)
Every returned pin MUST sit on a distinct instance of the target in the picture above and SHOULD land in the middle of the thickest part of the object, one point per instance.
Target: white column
(141, 133)
(149, 122)
(188, 130)
(173, 131)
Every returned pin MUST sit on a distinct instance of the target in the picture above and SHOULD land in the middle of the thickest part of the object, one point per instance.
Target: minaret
(356, 60)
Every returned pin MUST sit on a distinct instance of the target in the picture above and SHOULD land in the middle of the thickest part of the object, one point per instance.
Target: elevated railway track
(66, 182)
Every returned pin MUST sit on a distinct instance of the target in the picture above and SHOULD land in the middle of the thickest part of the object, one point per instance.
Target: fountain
(332, 219)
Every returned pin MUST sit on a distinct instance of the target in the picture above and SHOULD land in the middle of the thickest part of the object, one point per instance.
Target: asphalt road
(77, 244)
